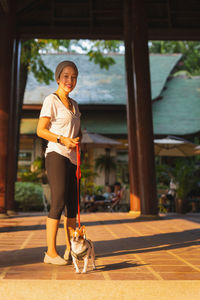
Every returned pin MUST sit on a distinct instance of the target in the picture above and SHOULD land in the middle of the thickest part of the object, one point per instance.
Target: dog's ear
(71, 230)
(83, 231)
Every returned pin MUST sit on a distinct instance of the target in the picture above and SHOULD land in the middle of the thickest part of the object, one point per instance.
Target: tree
(190, 61)
(105, 163)
(31, 60)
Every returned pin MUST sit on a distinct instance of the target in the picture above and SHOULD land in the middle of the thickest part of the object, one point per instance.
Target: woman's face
(68, 79)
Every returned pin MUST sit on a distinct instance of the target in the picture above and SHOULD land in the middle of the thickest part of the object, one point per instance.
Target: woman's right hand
(69, 143)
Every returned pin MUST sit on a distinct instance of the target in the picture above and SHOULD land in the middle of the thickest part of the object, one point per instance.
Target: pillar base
(149, 217)
(134, 213)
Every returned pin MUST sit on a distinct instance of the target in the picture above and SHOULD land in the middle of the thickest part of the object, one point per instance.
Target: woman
(59, 123)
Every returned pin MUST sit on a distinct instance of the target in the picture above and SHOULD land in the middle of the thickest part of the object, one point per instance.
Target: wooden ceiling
(103, 19)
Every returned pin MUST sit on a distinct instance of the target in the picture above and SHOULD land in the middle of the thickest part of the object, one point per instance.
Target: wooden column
(137, 45)
(13, 129)
(6, 38)
(135, 206)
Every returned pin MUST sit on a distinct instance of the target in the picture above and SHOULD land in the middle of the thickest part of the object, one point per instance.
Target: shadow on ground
(111, 248)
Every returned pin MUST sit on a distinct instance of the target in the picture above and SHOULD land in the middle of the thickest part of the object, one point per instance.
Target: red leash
(78, 176)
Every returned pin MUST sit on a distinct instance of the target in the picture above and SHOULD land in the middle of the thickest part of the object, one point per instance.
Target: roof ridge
(107, 54)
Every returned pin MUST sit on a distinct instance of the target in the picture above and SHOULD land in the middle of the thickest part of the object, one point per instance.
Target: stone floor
(128, 252)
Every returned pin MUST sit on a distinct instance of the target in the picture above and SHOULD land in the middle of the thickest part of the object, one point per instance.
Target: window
(25, 157)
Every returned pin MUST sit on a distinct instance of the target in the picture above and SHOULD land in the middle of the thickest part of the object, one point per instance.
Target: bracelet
(58, 139)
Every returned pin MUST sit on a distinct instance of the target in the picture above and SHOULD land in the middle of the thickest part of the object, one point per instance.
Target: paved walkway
(135, 259)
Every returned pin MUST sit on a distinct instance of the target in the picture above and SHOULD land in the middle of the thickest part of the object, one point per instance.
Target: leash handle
(78, 176)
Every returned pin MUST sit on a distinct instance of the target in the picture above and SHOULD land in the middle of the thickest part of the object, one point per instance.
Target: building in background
(101, 96)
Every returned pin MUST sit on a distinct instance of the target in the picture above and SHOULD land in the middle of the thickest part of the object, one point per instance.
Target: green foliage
(161, 207)
(98, 189)
(28, 176)
(162, 175)
(106, 46)
(87, 171)
(98, 58)
(38, 164)
(105, 162)
(184, 175)
(190, 61)
(165, 47)
(122, 172)
(31, 58)
(183, 171)
(36, 172)
(87, 179)
(182, 73)
(98, 50)
(28, 196)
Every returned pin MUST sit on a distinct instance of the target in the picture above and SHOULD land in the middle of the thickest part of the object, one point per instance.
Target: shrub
(35, 173)
(28, 196)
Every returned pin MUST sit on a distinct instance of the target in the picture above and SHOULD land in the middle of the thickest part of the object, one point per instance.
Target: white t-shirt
(62, 122)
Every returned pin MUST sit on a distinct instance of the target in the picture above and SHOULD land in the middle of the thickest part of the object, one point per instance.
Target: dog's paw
(84, 272)
(78, 272)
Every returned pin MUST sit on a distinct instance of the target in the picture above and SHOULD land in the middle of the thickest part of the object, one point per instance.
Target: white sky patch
(83, 48)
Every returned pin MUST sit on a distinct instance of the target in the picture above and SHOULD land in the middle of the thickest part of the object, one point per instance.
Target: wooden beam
(52, 12)
(22, 5)
(96, 32)
(189, 34)
(69, 32)
(167, 19)
(170, 21)
(91, 14)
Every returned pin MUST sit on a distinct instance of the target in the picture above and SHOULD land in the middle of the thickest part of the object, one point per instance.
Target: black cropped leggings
(63, 183)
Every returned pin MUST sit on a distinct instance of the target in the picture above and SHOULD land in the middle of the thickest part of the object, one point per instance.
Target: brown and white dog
(81, 248)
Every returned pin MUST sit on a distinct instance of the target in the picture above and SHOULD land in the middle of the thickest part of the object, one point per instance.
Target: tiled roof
(178, 113)
(99, 86)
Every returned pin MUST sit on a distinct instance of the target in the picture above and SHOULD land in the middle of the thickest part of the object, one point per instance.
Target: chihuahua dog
(81, 248)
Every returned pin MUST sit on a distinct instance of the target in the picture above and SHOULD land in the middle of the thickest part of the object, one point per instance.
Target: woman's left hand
(76, 140)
